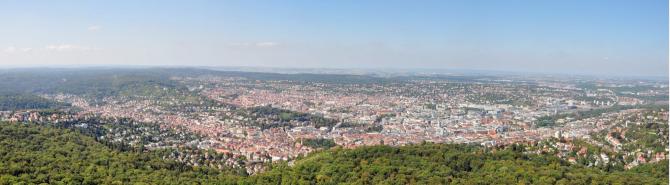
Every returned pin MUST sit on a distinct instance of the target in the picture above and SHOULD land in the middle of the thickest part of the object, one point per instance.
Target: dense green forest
(446, 163)
(32, 154)
(19, 101)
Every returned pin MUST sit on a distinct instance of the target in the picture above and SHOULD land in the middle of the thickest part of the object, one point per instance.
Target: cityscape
(253, 119)
(334, 92)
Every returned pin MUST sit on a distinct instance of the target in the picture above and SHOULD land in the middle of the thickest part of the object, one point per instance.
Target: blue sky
(583, 37)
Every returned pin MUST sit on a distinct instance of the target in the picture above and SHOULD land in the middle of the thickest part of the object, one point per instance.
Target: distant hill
(18, 101)
(107, 81)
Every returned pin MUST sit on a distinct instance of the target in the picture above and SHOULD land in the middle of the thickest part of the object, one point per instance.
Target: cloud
(13, 49)
(48, 48)
(68, 47)
(10, 49)
(254, 44)
(267, 44)
(241, 44)
(94, 28)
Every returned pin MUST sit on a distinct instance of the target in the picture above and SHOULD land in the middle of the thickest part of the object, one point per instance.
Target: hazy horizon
(354, 71)
(610, 38)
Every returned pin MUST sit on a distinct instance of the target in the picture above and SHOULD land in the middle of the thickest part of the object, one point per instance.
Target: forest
(35, 154)
(18, 101)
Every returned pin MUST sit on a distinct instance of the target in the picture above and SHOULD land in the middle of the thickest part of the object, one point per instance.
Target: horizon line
(439, 71)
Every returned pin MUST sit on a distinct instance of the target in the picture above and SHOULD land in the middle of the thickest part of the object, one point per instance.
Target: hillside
(447, 163)
(38, 154)
(34, 154)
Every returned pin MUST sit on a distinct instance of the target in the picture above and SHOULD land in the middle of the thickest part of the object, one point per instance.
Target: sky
(601, 37)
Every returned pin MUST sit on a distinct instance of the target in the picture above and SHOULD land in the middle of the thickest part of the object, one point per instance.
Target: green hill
(31, 154)
(447, 163)
(18, 101)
